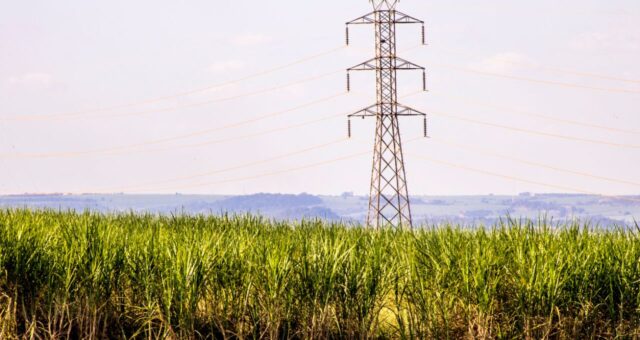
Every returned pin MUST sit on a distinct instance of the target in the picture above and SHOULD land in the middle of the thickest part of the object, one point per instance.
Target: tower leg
(389, 198)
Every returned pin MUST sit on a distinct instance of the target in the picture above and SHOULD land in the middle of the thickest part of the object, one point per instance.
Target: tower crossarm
(409, 112)
(402, 18)
(374, 65)
(402, 64)
(374, 18)
(369, 65)
(371, 111)
(369, 18)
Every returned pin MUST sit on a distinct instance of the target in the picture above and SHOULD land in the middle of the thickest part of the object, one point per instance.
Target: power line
(523, 180)
(132, 147)
(539, 115)
(548, 68)
(531, 163)
(331, 161)
(244, 122)
(261, 133)
(268, 174)
(177, 95)
(534, 132)
(218, 100)
(174, 108)
(275, 173)
(351, 156)
(537, 81)
(237, 167)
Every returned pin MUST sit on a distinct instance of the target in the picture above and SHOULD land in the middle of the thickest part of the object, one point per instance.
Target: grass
(84, 275)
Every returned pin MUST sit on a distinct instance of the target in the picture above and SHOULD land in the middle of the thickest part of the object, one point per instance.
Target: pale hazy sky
(59, 57)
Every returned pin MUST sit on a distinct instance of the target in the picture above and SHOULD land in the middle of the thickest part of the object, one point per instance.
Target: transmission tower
(389, 196)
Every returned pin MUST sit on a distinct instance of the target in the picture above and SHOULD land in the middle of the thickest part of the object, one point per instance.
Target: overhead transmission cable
(256, 134)
(245, 178)
(232, 168)
(534, 132)
(538, 115)
(133, 147)
(533, 80)
(268, 174)
(532, 163)
(545, 67)
(308, 166)
(217, 171)
(190, 105)
(208, 173)
(218, 100)
(529, 131)
(180, 94)
(273, 173)
(523, 180)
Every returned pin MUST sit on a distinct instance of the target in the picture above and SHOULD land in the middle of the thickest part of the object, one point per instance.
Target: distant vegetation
(114, 276)
(605, 212)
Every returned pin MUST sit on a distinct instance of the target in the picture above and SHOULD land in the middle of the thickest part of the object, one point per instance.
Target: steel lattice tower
(389, 196)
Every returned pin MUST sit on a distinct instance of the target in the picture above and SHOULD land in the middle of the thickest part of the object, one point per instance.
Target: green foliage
(70, 275)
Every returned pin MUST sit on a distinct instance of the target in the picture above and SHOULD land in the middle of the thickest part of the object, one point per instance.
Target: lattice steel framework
(389, 196)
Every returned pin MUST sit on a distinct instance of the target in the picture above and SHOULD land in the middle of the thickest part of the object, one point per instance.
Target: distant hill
(480, 209)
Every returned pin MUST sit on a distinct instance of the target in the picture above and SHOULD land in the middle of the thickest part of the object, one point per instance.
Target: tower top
(384, 4)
